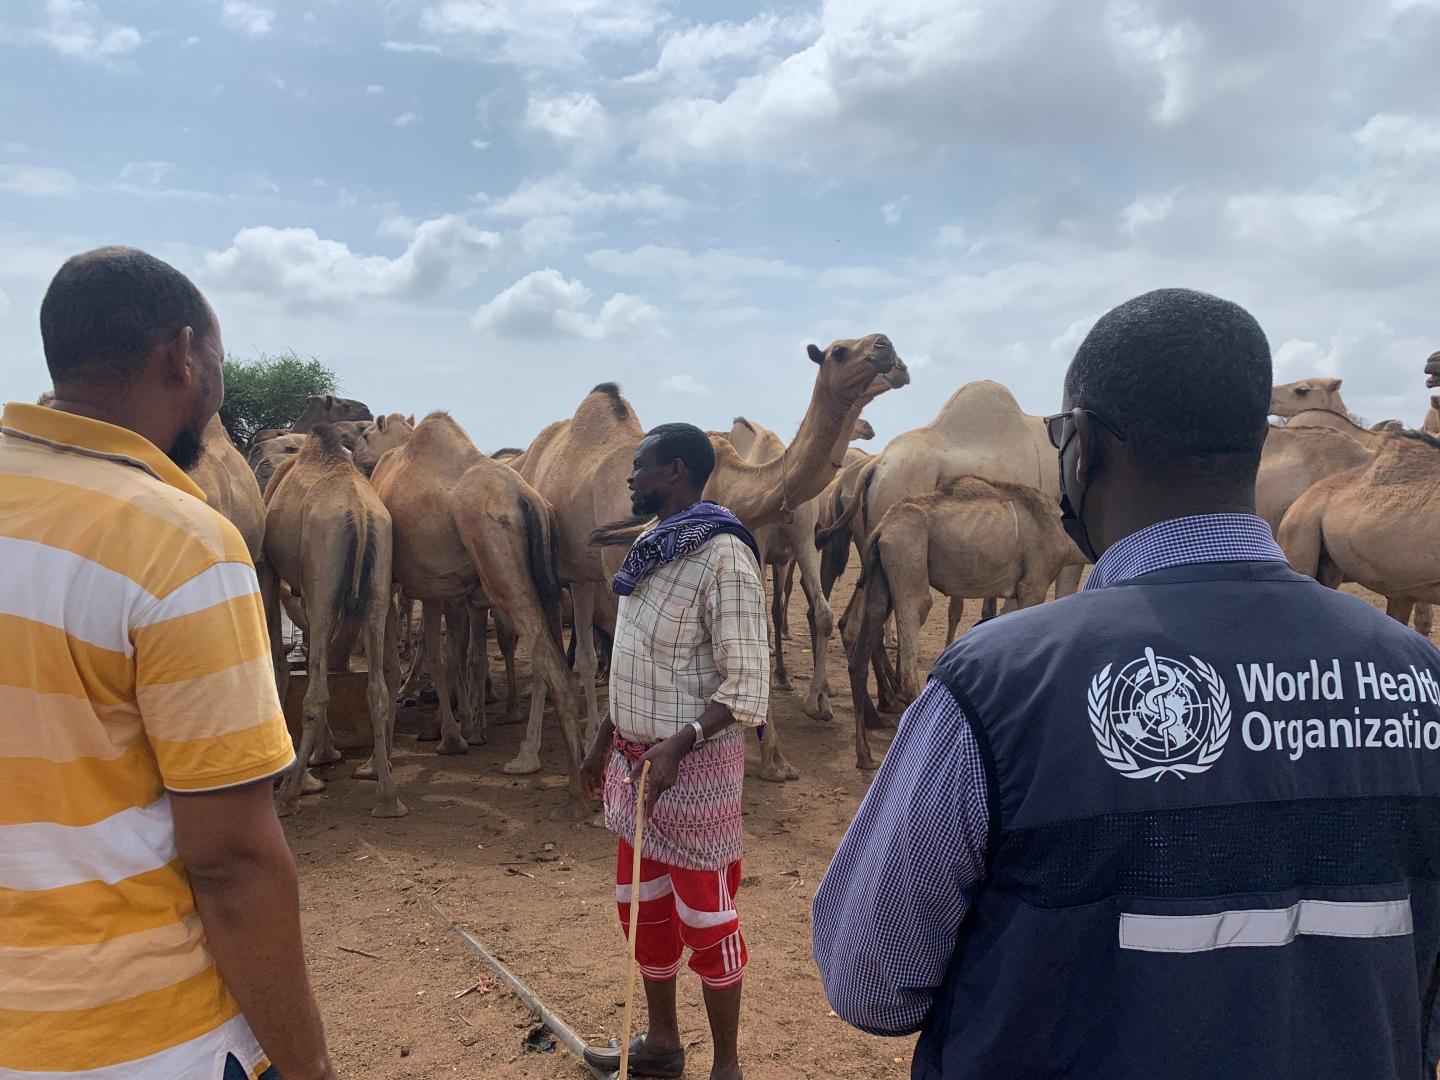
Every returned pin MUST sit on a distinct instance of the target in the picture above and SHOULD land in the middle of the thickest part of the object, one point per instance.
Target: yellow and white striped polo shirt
(133, 662)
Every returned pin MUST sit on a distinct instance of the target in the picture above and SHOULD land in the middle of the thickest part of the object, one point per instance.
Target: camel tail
(841, 525)
(542, 554)
(359, 563)
(876, 584)
(624, 532)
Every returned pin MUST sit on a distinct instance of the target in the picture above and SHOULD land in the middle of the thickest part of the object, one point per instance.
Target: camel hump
(973, 487)
(437, 431)
(978, 408)
(609, 393)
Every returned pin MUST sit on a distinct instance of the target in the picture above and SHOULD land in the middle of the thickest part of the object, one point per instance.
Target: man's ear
(182, 361)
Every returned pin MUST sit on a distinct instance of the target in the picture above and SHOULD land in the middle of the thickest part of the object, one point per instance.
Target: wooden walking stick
(634, 918)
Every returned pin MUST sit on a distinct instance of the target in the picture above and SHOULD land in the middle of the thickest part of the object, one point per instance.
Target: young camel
(328, 537)
(468, 526)
(971, 538)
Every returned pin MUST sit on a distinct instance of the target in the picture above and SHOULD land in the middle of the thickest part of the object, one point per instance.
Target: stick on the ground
(359, 952)
(634, 918)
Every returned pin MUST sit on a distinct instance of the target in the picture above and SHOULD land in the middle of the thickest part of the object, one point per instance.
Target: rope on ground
(562, 1031)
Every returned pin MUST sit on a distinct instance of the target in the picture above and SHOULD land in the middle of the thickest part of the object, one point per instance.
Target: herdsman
(149, 914)
(690, 669)
(1120, 836)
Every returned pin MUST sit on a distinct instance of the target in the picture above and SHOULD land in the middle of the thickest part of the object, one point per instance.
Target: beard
(188, 448)
(645, 504)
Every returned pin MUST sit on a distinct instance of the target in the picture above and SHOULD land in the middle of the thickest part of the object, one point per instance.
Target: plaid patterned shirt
(888, 913)
(692, 632)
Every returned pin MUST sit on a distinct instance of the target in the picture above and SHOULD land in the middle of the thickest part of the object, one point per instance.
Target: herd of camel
(352, 518)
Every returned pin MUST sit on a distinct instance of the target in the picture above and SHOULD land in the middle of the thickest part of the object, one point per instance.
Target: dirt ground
(539, 894)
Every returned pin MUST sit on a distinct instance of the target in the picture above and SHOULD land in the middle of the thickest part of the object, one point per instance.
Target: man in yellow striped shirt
(149, 914)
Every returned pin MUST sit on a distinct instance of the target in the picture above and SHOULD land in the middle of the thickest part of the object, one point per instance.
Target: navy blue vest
(1215, 838)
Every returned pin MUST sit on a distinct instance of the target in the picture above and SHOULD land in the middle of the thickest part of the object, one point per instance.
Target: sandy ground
(539, 893)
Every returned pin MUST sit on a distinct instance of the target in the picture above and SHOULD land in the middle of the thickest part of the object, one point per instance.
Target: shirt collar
(94, 438)
(1203, 538)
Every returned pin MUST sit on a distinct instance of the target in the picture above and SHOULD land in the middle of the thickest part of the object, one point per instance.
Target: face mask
(1070, 516)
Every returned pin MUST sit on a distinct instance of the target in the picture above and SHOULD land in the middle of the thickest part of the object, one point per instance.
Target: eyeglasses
(1055, 426)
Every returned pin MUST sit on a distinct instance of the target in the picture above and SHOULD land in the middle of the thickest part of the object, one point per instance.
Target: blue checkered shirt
(887, 914)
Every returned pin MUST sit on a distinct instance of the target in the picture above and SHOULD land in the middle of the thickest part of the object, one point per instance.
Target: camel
(328, 536)
(581, 466)
(1297, 457)
(792, 543)
(980, 431)
(319, 409)
(230, 486)
(466, 528)
(1316, 402)
(1372, 525)
(265, 457)
(970, 538)
(382, 434)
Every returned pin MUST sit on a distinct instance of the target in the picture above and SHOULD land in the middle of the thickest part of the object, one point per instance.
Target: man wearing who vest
(149, 916)
(1185, 824)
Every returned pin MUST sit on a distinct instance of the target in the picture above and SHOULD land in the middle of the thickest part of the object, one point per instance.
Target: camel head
(327, 409)
(1388, 427)
(385, 433)
(267, 456)
(861, 431)
(1290, 399)
(1432, 370)
(858, 370)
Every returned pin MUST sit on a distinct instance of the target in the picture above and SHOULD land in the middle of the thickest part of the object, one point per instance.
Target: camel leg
(337, 662)
(904, 569)
(785, 605)
(315, 709)
(427, 657)
(1400, 610)
(507, 639)
(382, 705)
(990, 608)
(451, 741)
(869, 642)
(410, 691)
(473, 720)
(527, 761)
(1067, 582)
(1424, 619)
(582, 595)
(394, 638)
(887, 688)
(822, 627)
(953, 616)
(780, 680)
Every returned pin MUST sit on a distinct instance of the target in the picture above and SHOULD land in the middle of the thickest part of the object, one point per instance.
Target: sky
(489, 206)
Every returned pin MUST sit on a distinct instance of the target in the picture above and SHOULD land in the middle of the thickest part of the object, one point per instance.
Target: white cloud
(1389, 135)
(1147, 210)
(298, 268)
(4, 304)
(688, 57)
(409, 119)
(953, 235)
(74, 29)
(374, 88)
(567, 196)
(246, 18)
(190, 42)
(706, 272)
(555, 34)
(145, 172)
(411, 47)
(547, 304)
(894, 210)
(573, 119)
(684, 384)
(37, 180)
(479, 144)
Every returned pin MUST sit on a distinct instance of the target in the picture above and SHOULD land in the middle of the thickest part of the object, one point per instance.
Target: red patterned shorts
(682, 908)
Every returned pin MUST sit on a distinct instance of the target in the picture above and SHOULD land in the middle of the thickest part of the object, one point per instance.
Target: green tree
(270, 391)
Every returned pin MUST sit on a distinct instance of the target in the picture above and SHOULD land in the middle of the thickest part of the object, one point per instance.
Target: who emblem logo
(1159, 716)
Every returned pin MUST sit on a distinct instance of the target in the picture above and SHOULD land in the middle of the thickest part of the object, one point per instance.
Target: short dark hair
(1186, 376)
(107, 309)
(688, 443)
